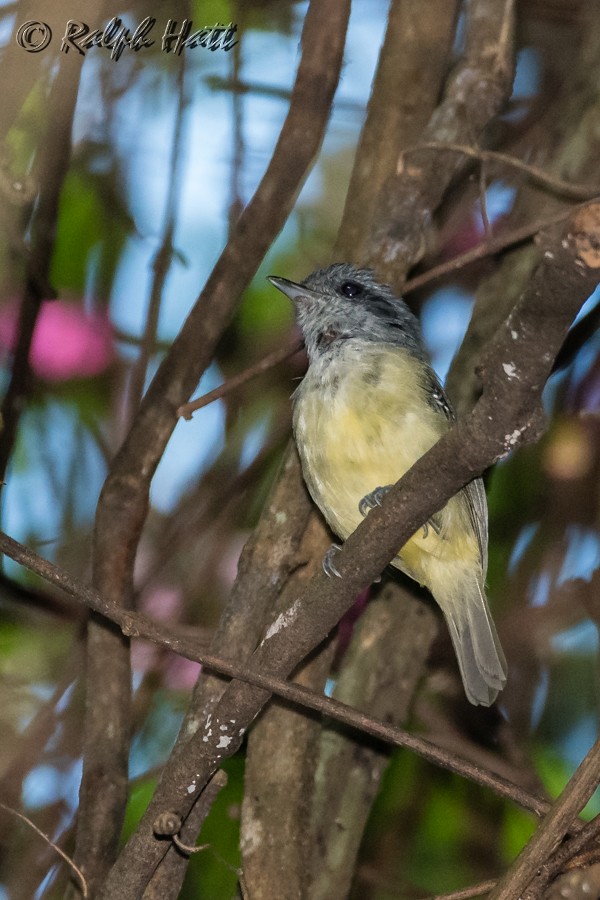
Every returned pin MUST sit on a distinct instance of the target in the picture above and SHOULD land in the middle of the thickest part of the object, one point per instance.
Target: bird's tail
(477, 646)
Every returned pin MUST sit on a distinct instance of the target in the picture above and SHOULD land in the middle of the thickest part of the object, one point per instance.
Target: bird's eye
(351, 289)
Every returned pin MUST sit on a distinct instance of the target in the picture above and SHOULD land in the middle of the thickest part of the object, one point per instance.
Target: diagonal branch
(186, 410)
(488, 247)
(553, 829)
(566, 856)
(55, 847)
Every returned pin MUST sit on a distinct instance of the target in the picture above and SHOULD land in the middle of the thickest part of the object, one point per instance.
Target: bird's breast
(361, 421)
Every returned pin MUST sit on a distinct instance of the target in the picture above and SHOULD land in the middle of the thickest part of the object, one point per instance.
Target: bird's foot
(374, 498)
(434, 523)
(328, 566)
(370, 501)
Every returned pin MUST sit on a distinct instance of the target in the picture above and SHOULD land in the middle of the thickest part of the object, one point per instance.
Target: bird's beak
(297, 293)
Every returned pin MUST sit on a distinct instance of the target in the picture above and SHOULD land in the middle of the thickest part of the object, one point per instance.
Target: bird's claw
(373, 499)
(436, 526)
(328, 566)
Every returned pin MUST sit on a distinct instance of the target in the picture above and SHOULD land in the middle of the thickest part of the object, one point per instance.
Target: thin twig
(162, 259)
(263, 365)
(236, 203)
(139, 626)
(579, 192)
(488, 248)
(55, 847)
(487, 227)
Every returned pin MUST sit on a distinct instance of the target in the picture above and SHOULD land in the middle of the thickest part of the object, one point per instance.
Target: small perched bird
(368, 407)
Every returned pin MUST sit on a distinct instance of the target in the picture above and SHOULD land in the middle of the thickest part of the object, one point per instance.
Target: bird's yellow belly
(360, 437)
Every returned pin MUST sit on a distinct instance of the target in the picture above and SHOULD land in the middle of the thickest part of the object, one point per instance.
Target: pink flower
(181, 674)
(68, 342)
(162, 603)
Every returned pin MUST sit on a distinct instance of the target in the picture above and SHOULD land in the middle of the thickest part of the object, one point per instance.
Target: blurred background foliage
(165, 152)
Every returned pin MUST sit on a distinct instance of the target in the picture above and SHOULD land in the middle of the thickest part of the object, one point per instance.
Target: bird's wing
(474, 492)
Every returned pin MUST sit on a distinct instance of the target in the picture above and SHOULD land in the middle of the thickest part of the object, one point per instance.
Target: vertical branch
(282, 753)
(269, 556)
(380, 675)
(412, 64)
(236, 203)
(476, 91)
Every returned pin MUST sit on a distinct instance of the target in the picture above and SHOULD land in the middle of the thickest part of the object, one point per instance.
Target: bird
(370, 405)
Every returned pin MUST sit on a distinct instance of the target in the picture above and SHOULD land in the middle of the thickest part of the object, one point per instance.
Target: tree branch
(475, 890)
(55, 847)
(553, 829)
(161, 261)
(475, 92)
(186, 410)
(418, 41)
(586, 838)
(166, 883)
(569, 123)
(489, 247)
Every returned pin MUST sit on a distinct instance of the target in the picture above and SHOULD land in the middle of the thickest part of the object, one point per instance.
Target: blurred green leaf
(213, 872)
(206, 13)
(517, 828)
(92, 219)
(139, 799)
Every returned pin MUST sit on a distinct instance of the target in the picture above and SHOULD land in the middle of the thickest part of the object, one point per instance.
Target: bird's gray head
(343, 302)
